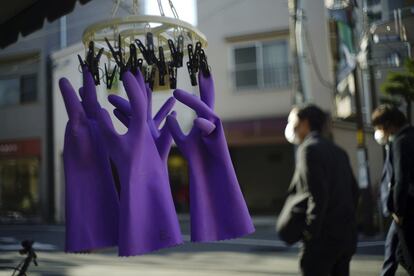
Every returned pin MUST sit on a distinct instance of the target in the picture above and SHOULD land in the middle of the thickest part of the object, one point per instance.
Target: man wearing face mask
(391, 127)
(323, 171)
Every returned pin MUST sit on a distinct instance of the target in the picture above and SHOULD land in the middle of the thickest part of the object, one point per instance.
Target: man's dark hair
(315, 116)
(388, 116)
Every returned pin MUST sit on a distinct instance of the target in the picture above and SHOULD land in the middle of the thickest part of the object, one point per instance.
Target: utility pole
(366, 200)
(298, 96)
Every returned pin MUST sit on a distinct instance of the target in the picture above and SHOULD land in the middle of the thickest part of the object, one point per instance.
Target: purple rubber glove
(148, 220)
(217, 207)
(92, 205)
(162, 137)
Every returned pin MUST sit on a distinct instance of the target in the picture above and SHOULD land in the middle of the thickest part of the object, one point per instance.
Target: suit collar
(311, 135)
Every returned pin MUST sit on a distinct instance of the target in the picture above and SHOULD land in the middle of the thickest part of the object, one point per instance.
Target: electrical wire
(313, 60)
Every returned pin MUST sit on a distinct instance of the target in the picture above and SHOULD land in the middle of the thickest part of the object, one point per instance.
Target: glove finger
(137, 98)
(195, 103)
(164, 111)
(72, 103)
(82, 93)
(205, 126)
(107, 127)
(206, 86)
(149, 99)
(165, 139)
(175, 129)
(141, 82)
(122, 117)
(121, 104)
(90, 98)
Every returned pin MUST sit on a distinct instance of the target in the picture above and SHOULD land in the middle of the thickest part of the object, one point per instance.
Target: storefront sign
(18, 148)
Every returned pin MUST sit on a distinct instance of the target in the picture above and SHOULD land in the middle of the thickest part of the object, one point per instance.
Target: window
(9, 92)
(262, 65)
(18, 90)
(28, 91)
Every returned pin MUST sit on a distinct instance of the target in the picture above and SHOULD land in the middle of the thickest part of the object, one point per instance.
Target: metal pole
(362, 154)
(296, 79)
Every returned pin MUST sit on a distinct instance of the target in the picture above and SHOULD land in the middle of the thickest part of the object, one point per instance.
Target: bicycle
(22, 267)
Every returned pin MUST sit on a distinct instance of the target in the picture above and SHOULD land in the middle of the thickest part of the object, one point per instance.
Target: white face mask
(380, 137)
(290, 134)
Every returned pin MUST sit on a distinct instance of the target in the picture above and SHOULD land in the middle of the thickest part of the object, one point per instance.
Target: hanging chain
(135, 7)
(174, 11)
(115, 7)
(160, 8)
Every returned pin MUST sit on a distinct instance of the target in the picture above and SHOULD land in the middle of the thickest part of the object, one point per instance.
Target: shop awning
(26, 16)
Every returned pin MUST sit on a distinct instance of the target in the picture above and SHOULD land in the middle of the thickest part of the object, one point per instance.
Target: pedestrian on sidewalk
(322, 172)
(391, 127)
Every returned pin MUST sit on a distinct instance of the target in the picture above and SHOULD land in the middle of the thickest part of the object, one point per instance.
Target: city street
(258, 254)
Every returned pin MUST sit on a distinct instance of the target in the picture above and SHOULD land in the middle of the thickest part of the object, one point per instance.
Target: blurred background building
(342, 54)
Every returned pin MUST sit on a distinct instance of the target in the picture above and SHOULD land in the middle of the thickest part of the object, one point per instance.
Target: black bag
(292, 219)
(404, 255)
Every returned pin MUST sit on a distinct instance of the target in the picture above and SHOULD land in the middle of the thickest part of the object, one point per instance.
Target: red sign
(20, 148)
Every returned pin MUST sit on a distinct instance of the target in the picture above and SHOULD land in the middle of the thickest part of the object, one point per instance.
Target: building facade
(249, 53)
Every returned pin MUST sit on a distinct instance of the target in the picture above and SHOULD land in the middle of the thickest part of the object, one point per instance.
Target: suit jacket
(323, 170)
(402, 189)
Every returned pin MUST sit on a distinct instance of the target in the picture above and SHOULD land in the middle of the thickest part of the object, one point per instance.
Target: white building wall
(219, 20)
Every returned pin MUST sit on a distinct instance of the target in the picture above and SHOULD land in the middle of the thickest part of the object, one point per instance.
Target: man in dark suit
(323, 170)
(391, 125)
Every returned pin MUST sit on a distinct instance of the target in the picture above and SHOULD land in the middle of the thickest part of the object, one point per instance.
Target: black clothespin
(204, 67)
(172, 72)
(151, 47)
(144, 51)
(147, 52)
(180, 51)
(133, 63)
(162, 67)
(117, 55)
(192, 65)
(81, 62)
(198, 49)
(92, 61)
(150, 76)
(177, 53)
(109, 77)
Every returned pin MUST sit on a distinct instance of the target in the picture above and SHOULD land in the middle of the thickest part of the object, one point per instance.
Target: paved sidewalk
(183, 264)
(258, 254)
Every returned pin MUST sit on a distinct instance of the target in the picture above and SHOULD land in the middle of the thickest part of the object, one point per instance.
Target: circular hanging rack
(135, 27)
(160, 41)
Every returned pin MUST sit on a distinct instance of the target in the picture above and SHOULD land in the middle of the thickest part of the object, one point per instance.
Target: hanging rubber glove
(148, 220)
(217, 207)
(91, 204)
(162, 137)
